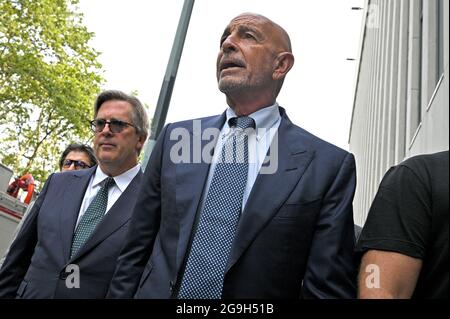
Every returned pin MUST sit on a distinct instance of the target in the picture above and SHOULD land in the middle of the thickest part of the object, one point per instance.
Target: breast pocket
(288, 236)
(301, 210)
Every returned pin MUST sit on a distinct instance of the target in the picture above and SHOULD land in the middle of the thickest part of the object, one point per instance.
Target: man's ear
(282, 64)
(141, 142)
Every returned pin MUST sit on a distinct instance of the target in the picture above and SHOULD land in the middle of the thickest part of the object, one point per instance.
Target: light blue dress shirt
(267, 121)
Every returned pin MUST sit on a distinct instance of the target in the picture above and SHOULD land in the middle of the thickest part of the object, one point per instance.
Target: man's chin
(227, 86)
(106, 158)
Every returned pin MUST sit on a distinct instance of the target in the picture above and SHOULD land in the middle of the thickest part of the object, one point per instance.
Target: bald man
(244, 204)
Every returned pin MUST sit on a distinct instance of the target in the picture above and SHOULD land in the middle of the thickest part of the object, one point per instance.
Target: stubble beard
(243, 84)
(231, 85)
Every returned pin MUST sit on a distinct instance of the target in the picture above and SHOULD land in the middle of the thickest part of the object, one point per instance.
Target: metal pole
(165, 94)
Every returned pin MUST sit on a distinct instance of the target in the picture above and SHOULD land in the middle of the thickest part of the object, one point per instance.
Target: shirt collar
(121, 180)
(265, 118)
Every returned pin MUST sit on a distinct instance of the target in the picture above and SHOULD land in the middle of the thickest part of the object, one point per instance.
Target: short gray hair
(138, 116)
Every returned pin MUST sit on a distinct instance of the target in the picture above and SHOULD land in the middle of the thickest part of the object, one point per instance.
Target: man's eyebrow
(241, 29)
(244, 28)
(253, 29)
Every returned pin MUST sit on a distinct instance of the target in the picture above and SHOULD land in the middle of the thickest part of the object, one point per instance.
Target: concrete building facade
(401, 102)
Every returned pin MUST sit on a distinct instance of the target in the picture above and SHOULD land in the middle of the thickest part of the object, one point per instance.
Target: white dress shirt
(121, 183)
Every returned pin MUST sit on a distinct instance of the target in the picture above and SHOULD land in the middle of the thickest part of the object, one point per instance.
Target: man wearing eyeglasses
(68, 246)
(77, 156)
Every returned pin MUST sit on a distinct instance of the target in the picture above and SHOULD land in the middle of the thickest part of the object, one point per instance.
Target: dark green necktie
(93, 215)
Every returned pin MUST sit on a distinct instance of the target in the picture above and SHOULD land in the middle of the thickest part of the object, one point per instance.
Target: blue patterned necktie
(93, 215)
(213, 239)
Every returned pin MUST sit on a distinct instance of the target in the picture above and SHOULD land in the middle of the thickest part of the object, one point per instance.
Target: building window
(440, 39)
(415, 64)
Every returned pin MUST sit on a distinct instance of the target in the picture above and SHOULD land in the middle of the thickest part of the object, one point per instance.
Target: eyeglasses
(115, 126)
(78, 164)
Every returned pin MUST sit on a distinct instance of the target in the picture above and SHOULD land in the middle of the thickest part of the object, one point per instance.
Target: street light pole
(165, 94)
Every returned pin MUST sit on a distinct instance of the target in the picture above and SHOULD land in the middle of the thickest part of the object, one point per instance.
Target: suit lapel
(71, 203)
(118, 215)
(190, 182)
(293, 159)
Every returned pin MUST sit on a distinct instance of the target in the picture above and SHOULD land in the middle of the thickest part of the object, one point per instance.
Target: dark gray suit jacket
(294, 239)
(36, 264)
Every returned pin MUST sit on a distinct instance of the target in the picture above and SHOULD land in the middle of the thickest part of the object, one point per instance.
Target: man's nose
(229, 44)
(106, 131)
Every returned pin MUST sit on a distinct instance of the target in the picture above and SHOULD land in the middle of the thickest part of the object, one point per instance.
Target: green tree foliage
(49, 77)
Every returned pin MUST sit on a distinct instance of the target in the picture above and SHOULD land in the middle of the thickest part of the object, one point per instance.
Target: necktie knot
(108, 183)
(242, 122)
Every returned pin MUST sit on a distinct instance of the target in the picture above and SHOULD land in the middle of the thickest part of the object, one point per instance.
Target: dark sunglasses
(78, 164)
(115, 126)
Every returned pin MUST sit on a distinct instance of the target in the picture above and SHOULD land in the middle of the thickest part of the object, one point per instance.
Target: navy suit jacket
(36, 264)
(294, 239)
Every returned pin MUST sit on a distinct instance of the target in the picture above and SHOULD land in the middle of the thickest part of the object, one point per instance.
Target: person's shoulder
(57, 176)
(318, 144)
(309, 140)
(200, 120)
(427, 169)
(428, 162)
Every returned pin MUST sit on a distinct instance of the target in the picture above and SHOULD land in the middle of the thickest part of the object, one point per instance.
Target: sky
(135, 38)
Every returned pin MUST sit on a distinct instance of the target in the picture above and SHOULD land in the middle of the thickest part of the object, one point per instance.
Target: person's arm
(18, 259)
(331, 272)
(395, 236)
(387, 275)
(144, 226)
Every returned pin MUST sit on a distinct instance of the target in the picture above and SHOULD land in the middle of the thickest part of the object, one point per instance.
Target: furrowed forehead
(248, 20)
(265, 26)
(245, 23)
(241, 27)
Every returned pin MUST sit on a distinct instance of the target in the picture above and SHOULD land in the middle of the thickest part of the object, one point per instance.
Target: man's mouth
(107, 145)
(229, 64)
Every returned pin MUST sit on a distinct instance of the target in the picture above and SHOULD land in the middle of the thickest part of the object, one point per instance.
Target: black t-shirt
(409, 215)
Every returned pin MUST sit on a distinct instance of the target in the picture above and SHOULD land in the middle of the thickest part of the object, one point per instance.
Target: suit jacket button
(63, 275)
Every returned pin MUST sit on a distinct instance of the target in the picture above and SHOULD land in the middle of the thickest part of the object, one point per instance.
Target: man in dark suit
(74, 157)
(69, 244)
(248, 228)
